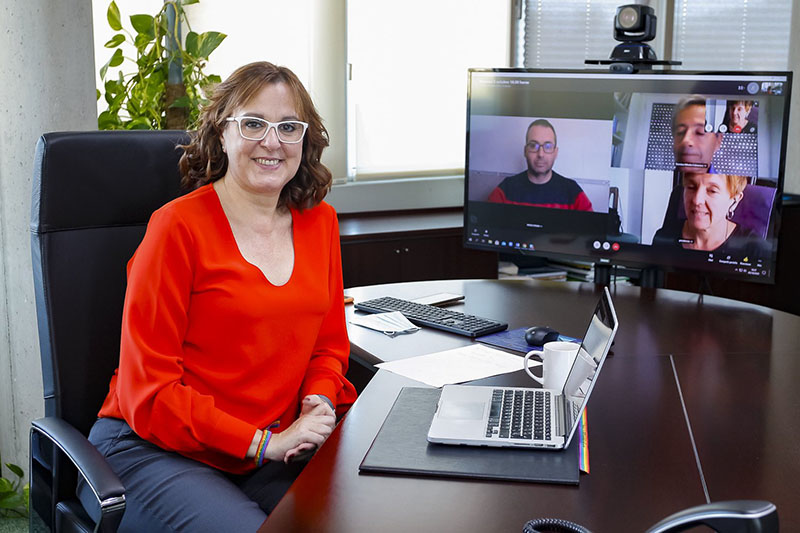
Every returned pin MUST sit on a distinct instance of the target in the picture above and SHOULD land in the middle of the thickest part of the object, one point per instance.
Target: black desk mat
(401, 447)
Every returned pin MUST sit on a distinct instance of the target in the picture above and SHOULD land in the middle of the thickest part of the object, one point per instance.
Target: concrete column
(47, 73)
(327, 83)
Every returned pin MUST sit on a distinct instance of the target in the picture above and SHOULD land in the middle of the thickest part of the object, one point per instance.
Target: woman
(234, 345)
(737, 118)
(709, 201)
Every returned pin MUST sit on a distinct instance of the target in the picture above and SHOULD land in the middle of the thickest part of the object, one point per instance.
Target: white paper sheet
(391, 324)
(467, 363)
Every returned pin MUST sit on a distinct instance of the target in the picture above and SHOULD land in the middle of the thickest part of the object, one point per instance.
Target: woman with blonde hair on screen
(710, 202)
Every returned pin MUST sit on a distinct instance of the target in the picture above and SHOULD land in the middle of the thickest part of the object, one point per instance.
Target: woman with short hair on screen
(234, 345)
(737, 117)
(709, 202)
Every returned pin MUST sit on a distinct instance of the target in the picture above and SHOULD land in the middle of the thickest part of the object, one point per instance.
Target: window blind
(732, 35)
(563, 33)
(707, 34)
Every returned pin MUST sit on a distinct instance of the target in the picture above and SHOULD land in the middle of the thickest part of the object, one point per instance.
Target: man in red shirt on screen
(539, 185)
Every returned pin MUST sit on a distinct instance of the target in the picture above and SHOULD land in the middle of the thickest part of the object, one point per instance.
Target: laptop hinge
(561, 415)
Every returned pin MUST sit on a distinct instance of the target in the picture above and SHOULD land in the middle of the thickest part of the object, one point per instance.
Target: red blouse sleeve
(329, 359)
(150, 392)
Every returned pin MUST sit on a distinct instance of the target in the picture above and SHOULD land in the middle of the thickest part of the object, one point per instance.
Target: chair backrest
(93, 194)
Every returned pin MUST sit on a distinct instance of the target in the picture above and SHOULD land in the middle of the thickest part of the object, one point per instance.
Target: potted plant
(168, 83)
(13, 494)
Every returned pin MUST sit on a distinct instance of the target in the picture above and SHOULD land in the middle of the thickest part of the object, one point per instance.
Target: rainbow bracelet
(263, 447)
(259, 448)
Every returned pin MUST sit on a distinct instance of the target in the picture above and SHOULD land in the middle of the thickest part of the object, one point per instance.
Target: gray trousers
(168, 492)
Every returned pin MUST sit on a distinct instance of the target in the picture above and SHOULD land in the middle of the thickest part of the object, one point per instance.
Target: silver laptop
(527, 417)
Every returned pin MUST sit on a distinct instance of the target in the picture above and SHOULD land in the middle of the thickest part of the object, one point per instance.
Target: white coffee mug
(557, 358)
(585, 367)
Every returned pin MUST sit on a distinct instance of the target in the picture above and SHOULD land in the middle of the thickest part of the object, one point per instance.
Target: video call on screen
(648, 162)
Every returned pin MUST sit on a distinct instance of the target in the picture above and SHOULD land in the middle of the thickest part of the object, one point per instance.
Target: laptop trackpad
(455, 410)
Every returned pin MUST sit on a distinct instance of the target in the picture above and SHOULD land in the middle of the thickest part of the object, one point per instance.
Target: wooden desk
(735, 364)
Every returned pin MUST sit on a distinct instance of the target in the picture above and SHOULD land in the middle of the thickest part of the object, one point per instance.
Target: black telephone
(738, 516)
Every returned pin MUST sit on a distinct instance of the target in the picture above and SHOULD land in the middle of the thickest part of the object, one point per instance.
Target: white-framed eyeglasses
(256, 129)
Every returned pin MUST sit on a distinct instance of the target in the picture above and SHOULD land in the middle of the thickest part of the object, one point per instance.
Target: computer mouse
(538, 335)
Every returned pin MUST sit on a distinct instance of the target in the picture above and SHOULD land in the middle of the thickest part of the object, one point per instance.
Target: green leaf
(191, 43)
(116, 103)
(5, 486)
(209, 41)
(107, 121)
(113, 87)
(139, 123)
(143, 24)
(115, 41)
(14, 468)
(116, 59)
(113, 17)
(98, 94)
(183, 101)
(142, 40)
(11, 500)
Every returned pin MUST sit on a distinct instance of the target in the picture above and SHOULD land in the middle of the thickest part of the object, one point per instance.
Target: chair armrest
(91, 464)
(737, 515)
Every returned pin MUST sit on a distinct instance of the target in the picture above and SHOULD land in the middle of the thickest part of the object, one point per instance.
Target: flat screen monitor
(669, 169)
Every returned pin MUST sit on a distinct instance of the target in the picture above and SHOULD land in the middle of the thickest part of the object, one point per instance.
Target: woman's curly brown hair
(204, 161)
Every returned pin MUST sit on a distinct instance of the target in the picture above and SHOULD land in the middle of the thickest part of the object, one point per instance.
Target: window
(408, 80)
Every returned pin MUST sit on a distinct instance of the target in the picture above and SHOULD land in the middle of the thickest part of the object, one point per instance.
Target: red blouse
(210, 349)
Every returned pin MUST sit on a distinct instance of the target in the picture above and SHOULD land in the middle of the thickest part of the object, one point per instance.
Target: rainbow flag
(583, 435)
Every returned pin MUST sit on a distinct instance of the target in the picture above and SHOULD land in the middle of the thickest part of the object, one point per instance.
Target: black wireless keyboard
(434, 317)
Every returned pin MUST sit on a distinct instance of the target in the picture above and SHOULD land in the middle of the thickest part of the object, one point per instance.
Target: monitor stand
(602, 274)
(651, 277)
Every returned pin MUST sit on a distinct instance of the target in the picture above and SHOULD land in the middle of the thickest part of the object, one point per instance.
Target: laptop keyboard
(519, 414)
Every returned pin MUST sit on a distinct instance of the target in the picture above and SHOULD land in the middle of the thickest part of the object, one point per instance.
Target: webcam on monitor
(634, 25)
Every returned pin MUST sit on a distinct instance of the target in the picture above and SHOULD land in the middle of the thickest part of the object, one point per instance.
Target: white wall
(46, 65)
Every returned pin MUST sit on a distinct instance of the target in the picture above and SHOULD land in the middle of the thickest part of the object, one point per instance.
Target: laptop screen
(591, 355)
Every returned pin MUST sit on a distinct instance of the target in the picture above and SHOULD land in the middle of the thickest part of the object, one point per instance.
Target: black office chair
(93, 193)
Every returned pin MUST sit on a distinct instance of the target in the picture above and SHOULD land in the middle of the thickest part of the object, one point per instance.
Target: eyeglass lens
(255, 129)
(548, 147)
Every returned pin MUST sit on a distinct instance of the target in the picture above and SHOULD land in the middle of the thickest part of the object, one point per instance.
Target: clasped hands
(306, 434)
